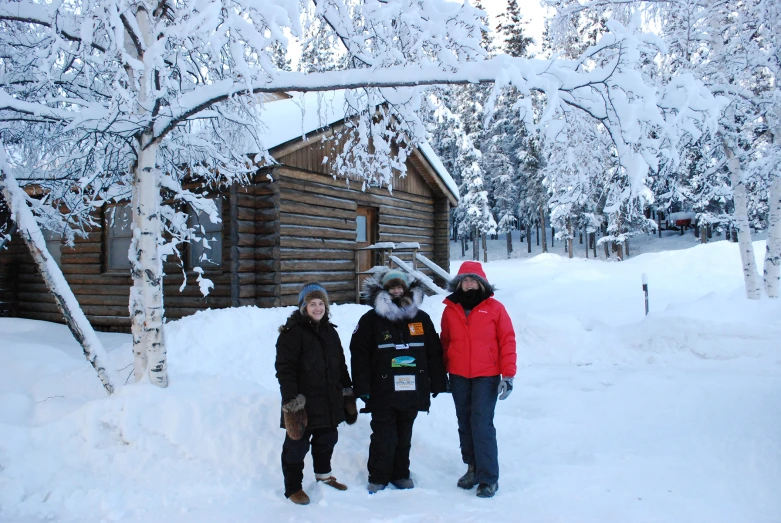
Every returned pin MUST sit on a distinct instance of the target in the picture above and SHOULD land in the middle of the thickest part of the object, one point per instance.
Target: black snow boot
(467, 481)
(487, 490)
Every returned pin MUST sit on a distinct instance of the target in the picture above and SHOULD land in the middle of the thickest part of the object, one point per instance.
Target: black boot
(487, 490)
(467, 481)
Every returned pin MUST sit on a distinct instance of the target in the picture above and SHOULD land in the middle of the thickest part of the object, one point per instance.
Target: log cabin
(294, 222)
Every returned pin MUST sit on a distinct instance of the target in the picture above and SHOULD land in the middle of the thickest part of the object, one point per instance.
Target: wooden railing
(387, 253)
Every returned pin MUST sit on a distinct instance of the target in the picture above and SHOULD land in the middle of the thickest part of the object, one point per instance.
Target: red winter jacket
(482, 344)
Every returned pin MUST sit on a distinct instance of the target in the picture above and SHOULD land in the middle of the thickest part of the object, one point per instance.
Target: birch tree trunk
(146, 296)
(750, 274)
(773, 248)
(146, 301)
(55, 281)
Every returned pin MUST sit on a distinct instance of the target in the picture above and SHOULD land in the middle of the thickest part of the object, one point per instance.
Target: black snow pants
(390, 445)
(294, 451)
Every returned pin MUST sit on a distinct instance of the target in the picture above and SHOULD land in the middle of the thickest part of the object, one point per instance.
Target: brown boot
(299, 498)
(331, 482)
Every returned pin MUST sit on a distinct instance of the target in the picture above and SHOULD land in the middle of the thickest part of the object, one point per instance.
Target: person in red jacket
(478, 344)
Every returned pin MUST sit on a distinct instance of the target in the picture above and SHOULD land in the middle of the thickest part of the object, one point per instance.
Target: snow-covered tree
(149, 95)
(321, 49)
(577, 175)
(734, 48)
(474, 205)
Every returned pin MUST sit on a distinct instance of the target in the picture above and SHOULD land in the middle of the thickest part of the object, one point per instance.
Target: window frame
(209, 228)
(109, 213)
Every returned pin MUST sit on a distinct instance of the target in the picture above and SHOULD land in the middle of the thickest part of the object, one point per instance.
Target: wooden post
(357, 279)
(234, 239)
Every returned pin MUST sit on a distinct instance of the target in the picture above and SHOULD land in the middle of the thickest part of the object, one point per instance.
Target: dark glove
(350, 408)
(434, 395)
(294, 415)
(505, 388)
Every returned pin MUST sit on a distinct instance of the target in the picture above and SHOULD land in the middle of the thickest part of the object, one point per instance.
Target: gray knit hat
(311, 291)
(393, 278)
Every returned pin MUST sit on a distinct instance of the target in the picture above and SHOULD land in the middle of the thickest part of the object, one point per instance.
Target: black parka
(396, 355)
(310, 361)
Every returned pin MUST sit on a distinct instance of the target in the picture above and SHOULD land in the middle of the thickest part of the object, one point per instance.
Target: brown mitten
(350, 408)
(294, 414)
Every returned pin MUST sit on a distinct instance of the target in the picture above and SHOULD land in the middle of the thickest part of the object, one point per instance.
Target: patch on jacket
(415, 329)
(403, 361)
(386, 336)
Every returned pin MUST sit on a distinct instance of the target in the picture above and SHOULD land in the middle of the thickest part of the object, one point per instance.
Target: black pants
(390, 445)
(323, 442)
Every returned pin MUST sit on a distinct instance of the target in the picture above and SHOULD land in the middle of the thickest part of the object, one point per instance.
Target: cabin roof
(302, 114)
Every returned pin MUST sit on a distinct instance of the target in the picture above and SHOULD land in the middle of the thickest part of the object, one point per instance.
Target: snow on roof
(292, 118)
(295, 117)
(439, 167)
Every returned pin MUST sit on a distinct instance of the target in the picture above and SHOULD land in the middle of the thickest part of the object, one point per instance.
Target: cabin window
(54, 245)
(360, 228)
(119, 233)
(206, 252)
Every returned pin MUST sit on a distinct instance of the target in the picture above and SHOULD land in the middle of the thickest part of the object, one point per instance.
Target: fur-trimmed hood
(455, 283)
(375, 295)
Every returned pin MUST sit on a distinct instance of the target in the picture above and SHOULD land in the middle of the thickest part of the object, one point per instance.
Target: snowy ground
(615, 417)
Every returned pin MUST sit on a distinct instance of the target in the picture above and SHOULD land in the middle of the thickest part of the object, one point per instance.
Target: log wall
(104, 294)
(277, 235)
(318, 223)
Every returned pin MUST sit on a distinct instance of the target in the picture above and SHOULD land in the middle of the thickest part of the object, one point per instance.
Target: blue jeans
(475, 400)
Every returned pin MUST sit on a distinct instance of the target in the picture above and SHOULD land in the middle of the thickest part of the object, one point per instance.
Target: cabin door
(366, 232)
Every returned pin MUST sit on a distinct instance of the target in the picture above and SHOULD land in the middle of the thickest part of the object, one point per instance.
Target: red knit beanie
(472, 267)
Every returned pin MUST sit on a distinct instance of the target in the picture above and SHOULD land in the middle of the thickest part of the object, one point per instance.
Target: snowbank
(615, 417)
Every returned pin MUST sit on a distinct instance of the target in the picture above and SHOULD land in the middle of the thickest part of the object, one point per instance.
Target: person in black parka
(396, 365)
(316, 391)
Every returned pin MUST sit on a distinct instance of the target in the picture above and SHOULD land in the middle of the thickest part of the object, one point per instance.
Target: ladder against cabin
(387, 255)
